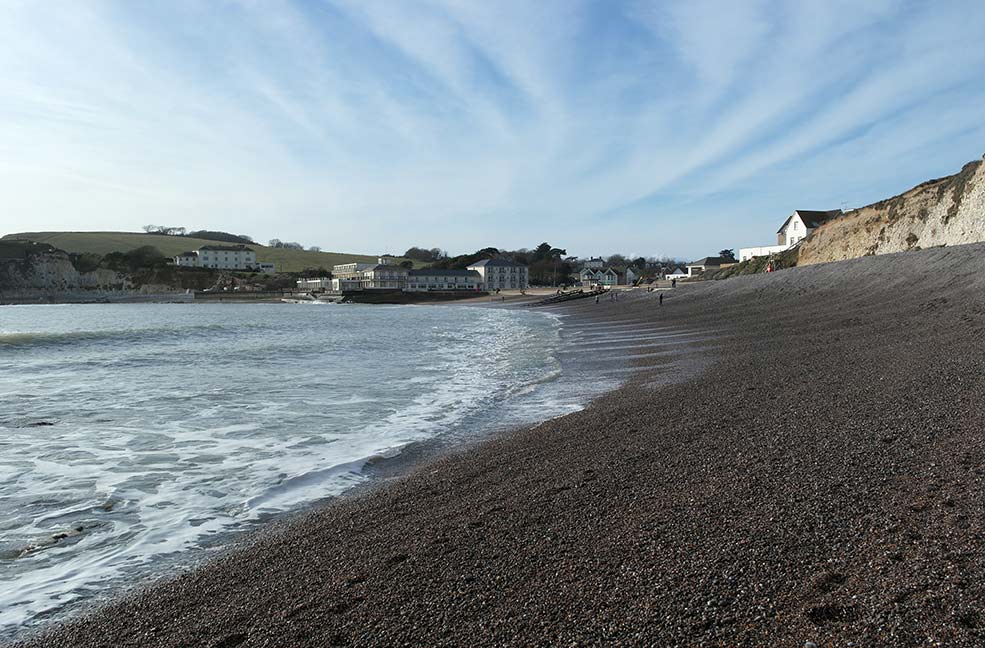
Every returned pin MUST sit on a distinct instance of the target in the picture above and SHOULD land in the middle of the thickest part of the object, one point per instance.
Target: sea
(137, 439)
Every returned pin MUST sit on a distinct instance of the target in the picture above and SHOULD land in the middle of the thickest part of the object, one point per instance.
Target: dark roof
(496, 262)
(711, 261)
(189, 254)
(226, 248)
(386, 266)
(811, 218)
(438, 272)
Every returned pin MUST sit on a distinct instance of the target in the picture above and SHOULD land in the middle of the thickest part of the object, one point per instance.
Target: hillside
(757, 265)
(946, 211)
(103, 243)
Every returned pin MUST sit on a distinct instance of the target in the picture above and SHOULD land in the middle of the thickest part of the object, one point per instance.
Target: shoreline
(512, 297)
(820, 481)
(388, 465)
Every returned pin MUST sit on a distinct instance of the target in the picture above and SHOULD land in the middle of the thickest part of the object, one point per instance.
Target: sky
(648, 128)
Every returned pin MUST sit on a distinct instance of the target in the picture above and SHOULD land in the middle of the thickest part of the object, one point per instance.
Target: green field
(105, 242)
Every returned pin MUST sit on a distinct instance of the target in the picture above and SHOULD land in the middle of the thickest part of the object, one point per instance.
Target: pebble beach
(795, 459)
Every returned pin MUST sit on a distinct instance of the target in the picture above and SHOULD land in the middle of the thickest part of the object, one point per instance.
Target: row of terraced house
(489, 275)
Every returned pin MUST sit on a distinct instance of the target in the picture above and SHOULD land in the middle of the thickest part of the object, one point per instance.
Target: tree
(728, 255)
(427, 256)
(314, 248)
(616, 260)
(225, 237)
(275, 243)
(151, 229)
(545, 251)
(418, 254)
(639, 262)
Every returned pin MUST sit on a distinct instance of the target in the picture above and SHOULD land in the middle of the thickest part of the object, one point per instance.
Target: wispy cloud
(676, 128)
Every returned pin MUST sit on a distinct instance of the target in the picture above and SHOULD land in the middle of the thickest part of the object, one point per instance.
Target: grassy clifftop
(103, 243)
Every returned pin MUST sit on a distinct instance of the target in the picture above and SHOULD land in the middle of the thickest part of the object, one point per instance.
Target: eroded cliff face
(948, 211)
(51, 274)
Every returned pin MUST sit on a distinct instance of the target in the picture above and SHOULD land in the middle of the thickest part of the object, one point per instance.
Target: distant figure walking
(673, 283)
(596, 299)
(661, 300)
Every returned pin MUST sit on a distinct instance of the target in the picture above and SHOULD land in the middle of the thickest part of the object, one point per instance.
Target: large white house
(314, 284)
(501, 274)
(801, 223)
(439, 280)
(795, 229)
(352, 270)
(223, 257)
(384, 276)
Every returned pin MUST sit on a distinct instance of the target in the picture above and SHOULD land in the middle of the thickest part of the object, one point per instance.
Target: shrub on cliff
(143, 257)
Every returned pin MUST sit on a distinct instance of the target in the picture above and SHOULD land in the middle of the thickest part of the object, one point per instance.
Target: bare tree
(314, 248)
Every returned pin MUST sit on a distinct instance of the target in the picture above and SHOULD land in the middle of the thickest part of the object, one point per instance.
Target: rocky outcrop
(947, 211)
(49, 275)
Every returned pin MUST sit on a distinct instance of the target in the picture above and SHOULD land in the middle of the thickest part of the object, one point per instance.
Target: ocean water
(134, 438)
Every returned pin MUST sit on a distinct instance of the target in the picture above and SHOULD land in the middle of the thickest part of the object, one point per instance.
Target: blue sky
(652, 128)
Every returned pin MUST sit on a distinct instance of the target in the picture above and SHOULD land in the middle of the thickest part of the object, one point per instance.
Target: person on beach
(661, 300)
(673, 283)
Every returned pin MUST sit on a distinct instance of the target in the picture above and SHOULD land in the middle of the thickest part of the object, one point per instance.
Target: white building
(314, 284)
(351, 270)
(223, 257)
(346, 285)
(751, 253)
(795, 229)
(384, 276)
(501, 274)
(801, 223)
(436, 279)
(595, 263)
(187, 260)
(676, 273)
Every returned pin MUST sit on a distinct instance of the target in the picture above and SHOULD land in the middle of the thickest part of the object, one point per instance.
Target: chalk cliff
(946, 211)
(45, 274)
